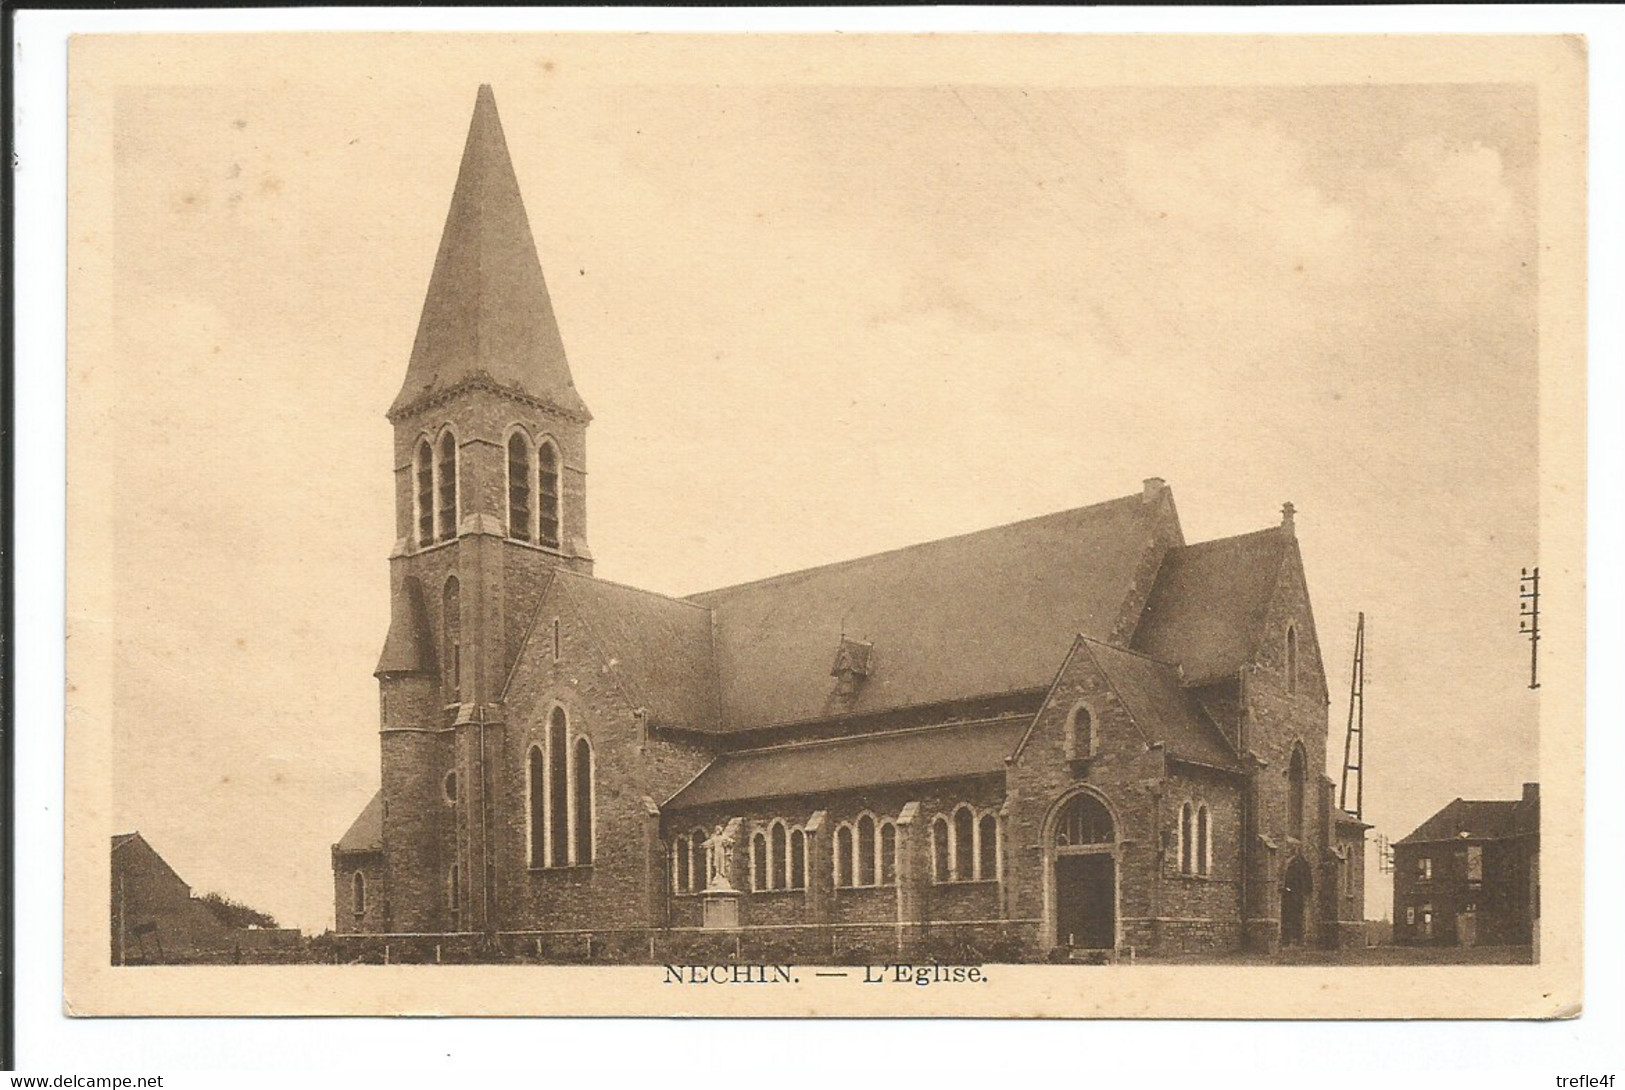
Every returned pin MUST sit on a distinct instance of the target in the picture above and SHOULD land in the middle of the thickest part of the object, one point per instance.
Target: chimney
(1287, 526)
(1531, 792)
(1154, 488)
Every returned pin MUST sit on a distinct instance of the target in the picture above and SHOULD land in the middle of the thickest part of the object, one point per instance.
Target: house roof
(1206, 610)
(1163, 709)
(487, 314)
(843, 764)
(1469, 819)
(979, 614)
(658, 648)
(366, 832)
(409, 646)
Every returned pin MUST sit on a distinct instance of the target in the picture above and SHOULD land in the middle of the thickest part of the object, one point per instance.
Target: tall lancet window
(518, 487)
(451, 642)
(423, 466)
(558, 789)
(535, 806)
(547, 492)
(1295, 775)
(583, 801)
(446, 471)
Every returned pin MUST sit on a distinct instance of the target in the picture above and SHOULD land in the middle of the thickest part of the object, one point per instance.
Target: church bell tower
(490, 496)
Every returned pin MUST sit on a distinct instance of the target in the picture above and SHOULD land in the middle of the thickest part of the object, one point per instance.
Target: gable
(980, 614)
(655, 650)
(1163, 709)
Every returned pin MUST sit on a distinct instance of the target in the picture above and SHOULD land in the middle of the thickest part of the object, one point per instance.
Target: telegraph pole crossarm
(1529, 619)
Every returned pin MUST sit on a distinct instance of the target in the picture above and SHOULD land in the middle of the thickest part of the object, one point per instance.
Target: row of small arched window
(965, 847)
(535, 507)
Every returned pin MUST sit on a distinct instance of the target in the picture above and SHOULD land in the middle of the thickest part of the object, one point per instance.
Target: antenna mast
(1354, 740)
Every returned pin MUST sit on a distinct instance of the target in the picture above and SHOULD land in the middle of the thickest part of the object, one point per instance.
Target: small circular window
(449, 786)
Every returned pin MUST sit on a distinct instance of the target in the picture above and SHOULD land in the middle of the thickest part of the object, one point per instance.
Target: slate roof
(659, 648)
(844, 764)
(366, 832)
(1206, 610)
(409, 646)
(1161, 707)
(1468, 819)
(487, 314)
(984, 613)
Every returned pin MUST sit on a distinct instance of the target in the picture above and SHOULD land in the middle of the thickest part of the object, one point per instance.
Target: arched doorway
(1084, 879)
(1295, 889)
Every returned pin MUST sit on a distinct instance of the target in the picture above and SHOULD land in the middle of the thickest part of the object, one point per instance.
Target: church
(1076, 736)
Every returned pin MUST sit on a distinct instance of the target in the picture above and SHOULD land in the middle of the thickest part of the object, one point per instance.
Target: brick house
(1077, 731)
(1470, 875)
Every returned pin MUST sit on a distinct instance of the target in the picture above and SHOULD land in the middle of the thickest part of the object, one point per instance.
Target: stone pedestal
(721, 909)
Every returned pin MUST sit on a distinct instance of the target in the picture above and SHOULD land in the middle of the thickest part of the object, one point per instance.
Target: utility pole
(1354, 739)
(1529, 619)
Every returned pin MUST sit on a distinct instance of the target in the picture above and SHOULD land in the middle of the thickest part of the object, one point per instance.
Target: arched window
(964, 844)
(423, 465)
(446, 472)
(1084, 821)
(987, 848)
(758, 862)
(866, 851)
(448, 786)
(1291, 658)
(451, 637)
(1295, 774)
(1186, 821)
(583, 802)
(680, 876)
(558, 789)
(843, 856)
(1080, 734)
(547, 492)
(941, 871)
(358, 893)
(454, 897)
(778, 859)
(518, 487)
(798, 859)
(1204, 840)
(888, 853)
(699, 860)
(536, 805)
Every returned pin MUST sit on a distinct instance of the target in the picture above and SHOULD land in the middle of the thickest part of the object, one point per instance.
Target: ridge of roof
(1134, 498)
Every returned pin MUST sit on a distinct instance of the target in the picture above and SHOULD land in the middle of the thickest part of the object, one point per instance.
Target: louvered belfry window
(448, 487)
(518, 488)
(547, 478)
(425, 473)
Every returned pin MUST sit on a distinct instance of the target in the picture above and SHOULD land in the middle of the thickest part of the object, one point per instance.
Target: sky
(814, 322)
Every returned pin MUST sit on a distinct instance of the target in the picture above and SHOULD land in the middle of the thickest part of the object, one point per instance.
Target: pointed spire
(487, 315)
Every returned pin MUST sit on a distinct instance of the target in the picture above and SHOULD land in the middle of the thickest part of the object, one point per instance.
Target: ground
(1364, 955)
